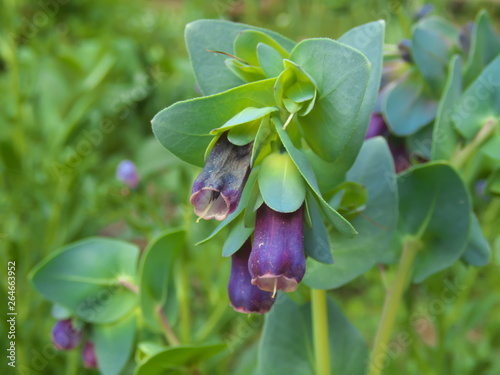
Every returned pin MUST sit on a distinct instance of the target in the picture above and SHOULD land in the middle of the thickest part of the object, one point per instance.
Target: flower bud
(277, 260)
(217, 189)
(65, 336)
(89, 356)
(245, 297)
(127, 173)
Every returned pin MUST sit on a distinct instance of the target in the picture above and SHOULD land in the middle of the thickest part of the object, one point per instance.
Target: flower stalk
(320, 331)
(391, 305)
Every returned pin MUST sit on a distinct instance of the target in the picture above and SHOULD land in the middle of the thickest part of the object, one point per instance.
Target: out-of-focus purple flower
(277, 260)
(480, 189)
(423, 12)
(399, 155)
(245, 297)
(217, 189)
(88, 355)
(127, 173)
(65, 336)
(397, 146)
(377, 126)
(465, 36)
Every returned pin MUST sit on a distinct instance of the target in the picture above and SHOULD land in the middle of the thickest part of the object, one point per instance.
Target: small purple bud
(377, 126)
(65, 336)
(245, 297)
(404, 48)
(88, 356)
(127, 173)
(423, 12)
(465, 36)
(480, 189)
(217, 189)
(277, 260)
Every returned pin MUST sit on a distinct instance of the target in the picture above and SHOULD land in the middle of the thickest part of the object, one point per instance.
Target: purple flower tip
(89, 356)
(127, 173)
(245, 297)
(65, 336)
(277, 260)
(217, 189)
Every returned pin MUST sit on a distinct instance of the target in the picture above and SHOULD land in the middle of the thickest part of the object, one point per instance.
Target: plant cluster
(321, 159)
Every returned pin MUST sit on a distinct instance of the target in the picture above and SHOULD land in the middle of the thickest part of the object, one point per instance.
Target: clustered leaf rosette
(275, 113)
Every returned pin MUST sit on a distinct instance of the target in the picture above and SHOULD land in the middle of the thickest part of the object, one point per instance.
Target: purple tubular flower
(65, 336)
(245, 297)
(89, 356)
(277, 260)
(127, 173)
(217, 189)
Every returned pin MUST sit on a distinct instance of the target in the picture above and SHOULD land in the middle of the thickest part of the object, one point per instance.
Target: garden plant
(306, 166)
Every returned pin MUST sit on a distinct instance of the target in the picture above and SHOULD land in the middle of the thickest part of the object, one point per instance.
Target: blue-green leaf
(113, 344)
(341, 75)
(434, 208)
(286, 346)
(86, 277)
(409, 105)
(281, 184)
(300, 160)
(478, 251)
(173, 359)
(184, 128)
(374, 169)
(445, 137)
(217, 35)
(157, 267)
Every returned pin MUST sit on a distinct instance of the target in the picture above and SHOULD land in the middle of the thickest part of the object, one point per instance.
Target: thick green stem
(391, 306)
(320, 331)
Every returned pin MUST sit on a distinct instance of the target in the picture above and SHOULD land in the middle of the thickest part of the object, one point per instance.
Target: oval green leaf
(434, 208)
(286, 342)
(85, 277)
(156, 277)
(374, 169)
(281, 184)
(217, 35)
(113, 344)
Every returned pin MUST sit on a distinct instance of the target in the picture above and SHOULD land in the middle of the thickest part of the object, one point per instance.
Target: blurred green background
(79, 83)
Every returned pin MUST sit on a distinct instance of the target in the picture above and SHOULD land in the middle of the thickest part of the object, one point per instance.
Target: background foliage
(80, 82)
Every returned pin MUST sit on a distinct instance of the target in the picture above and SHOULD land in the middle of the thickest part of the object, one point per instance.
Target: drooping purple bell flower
(65, 336)
(217, 189)
(245, 297)
(127, 173)
(88, 356)
(277, 260)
